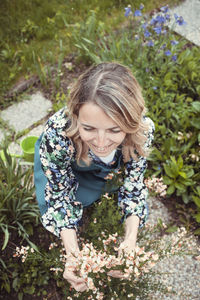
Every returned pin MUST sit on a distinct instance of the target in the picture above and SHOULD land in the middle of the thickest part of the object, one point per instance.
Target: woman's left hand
(126, 247)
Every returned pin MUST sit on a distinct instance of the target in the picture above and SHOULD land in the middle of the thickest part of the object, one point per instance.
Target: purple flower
(137, 13)
(127, 11)
(174, 42)
(160, 19)
(141, 6)
(167, 17)
(147, 70)
(164, 9)
(147, 33)
(150, 43)
(153, 21)
(158, 30)
(163, 46)
(144, 26)
(174, 57)
(168, 53)
(154, 87)
(179, 20)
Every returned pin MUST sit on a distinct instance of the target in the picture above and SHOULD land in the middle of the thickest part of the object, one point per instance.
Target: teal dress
(91, 179)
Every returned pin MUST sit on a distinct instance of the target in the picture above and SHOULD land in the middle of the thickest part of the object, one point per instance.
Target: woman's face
(98, 130)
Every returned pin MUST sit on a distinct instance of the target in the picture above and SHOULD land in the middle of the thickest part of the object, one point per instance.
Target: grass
(35, 27)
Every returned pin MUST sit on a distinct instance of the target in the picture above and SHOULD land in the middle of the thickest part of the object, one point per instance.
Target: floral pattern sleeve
(56, 153)
(133, 194)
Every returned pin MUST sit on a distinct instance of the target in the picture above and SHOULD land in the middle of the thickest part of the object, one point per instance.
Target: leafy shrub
(18, 210)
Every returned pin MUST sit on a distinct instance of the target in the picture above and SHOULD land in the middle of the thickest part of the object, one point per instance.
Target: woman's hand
(126, 247)
(76, 282)
(70, 242)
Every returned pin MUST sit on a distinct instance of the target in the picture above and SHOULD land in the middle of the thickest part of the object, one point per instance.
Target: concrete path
(23, 115)
(190, 11)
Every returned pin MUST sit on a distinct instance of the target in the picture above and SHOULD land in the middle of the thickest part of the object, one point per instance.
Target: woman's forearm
(131, 228)
(70, 241)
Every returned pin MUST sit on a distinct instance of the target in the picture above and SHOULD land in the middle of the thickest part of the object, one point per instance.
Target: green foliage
(103, 216)
(60, 101)
(18, 211)
(85, 35)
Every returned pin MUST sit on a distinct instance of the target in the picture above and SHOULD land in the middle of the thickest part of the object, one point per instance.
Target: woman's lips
(102, 149)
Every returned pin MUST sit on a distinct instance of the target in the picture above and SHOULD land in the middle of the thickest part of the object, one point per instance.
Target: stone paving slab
(22, 115)
(190, 11)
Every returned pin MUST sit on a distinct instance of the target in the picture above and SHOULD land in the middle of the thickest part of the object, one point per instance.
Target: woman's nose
(101, 139)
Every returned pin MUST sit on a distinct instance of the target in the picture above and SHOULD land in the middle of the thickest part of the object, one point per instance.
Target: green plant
(18, 210)
(85, 36)
(28, 31)
(196, 199)
(59, 65)
(178, 177)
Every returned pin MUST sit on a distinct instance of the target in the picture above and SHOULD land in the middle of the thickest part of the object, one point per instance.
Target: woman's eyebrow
(86, 125)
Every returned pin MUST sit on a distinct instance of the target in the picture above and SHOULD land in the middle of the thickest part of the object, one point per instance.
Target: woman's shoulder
(55, 131)
(58, 120)
(151, 127)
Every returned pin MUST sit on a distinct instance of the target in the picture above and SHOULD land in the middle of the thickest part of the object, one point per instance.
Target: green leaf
(183, 174)
(196, 201)
(87, 41)
(167, 180)
(195, 122)
(197, 217)
(15, 282)
(168, 171)
(20, 296)
(180, 186)
(185, 198)
(6, 237)
(172, 229)
(196, 106)
(7, 287)
(180, 162)
(190, 173)
(171, 189)
(197, 231)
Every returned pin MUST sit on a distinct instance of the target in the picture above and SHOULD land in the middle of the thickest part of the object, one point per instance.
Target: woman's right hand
(76, 282)
(70, 242)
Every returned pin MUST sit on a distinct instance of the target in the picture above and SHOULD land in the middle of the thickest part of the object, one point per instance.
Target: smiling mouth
(102, 149)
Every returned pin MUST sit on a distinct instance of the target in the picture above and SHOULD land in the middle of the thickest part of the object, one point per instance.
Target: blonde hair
(112, 87)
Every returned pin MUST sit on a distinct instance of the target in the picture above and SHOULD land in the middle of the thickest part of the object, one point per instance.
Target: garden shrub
(19, 212)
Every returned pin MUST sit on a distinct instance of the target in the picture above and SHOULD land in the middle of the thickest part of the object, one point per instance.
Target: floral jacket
(56, 155)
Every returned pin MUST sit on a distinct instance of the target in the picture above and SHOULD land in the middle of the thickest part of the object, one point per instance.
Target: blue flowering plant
(154, 45)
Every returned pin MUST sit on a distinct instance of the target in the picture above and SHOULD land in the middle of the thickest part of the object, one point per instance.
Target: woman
(103, 129)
